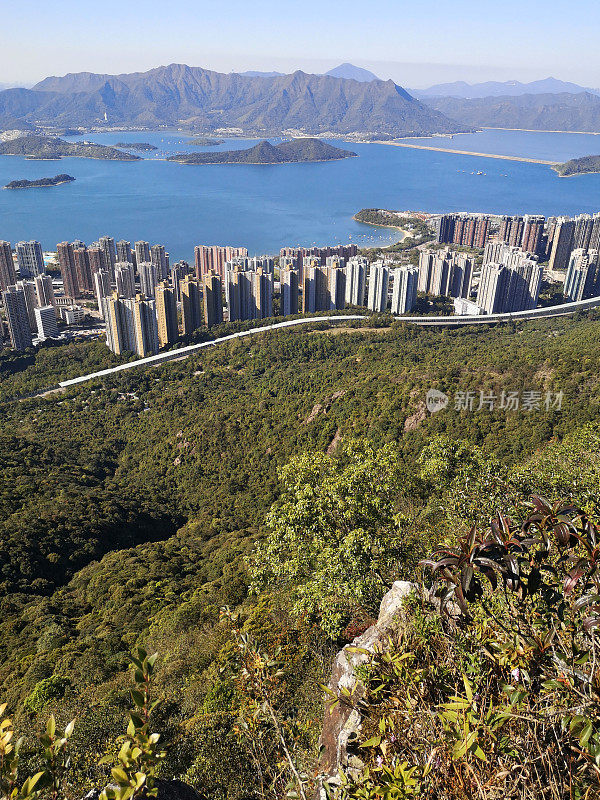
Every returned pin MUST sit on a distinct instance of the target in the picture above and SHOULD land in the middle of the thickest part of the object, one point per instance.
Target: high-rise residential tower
(166, 314)
(147, 273)
(125, 279)
(142, 253)
(83, 269)
(102, 289)
(289, 292)
(124, 253)
(213, 300)
(107, 244)
(562, 243)
(379, 277)
(581, 280)
(120, 329)
(160, 258)
(145, 326)
(18, 322)
(191, 304)
(45, 320)
(356, 280)
(336, 278)
(8, 275)
(30, 259)
(31, 301)
(97, 259)
(44, 290)
(66, 262)
(404, 291)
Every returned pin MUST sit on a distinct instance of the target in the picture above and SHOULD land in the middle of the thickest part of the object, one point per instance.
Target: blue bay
(265, 207)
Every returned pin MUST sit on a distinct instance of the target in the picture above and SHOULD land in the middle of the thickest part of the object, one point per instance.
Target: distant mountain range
(497, 89)
(546, 112)
(209, 101)
(347, 101)
(294, 151)
(347, 71)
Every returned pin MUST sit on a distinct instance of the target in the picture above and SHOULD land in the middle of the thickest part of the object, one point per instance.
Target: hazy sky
(414, 43)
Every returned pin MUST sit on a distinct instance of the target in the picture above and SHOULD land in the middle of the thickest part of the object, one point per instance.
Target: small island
(578, 166)
(202, 141)
(51, 147)
(40, 182)
(141, 146)
(292, 152)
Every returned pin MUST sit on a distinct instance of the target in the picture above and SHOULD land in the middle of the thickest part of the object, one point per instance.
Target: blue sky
(414, 43)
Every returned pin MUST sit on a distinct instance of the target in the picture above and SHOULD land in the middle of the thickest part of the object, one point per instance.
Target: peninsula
(578, 166)
(40, 182)
(51, 147)
(381, 218)
(294, 151)
(144, 147)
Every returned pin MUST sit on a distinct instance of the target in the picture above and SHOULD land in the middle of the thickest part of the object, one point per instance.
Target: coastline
(60, 158)
(405, 233)
(578, 174)
(470, 153)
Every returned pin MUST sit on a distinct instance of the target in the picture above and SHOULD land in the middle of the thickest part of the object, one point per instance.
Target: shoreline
(41, 185)
(470, 153)
(60, 158)
(578, 174)
(405, 233)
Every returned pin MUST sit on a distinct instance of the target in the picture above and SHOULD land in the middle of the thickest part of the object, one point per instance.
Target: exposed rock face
(341, 726)
(420, 415)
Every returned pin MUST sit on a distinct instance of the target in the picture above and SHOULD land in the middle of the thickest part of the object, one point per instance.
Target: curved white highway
(434, 322)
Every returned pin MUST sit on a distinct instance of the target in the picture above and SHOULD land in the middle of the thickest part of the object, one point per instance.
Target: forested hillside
(128, 508)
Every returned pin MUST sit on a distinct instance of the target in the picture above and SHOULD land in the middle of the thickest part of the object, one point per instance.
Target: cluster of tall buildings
(177, 306)
(445, 273)
(526, 233)
(79, 263)
(510, 279)
(30, 261)
(315, 282)
(465, 230)
(30, 310)
(566, 235)
(147, 302)
(213, 258)
(582, 279)
(552, 238)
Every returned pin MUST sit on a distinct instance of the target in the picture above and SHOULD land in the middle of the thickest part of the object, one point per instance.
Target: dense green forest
(134, 508)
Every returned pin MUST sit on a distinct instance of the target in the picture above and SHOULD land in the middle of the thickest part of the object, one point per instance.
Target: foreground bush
(499, 695)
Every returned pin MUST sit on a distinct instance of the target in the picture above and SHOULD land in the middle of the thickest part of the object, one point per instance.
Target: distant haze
(417, 44)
